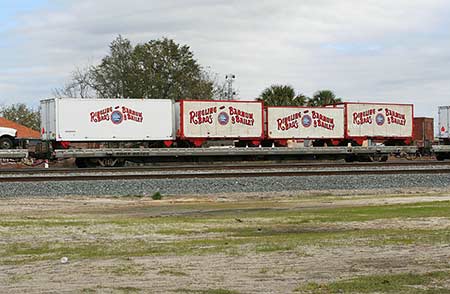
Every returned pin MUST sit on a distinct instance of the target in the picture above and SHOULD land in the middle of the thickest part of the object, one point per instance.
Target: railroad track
(225, 171)
(218, 166)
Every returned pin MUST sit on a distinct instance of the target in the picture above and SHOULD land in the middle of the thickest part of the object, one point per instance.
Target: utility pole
(229, 79)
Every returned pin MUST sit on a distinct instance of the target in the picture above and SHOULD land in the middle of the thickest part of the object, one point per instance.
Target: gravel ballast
(203, 186)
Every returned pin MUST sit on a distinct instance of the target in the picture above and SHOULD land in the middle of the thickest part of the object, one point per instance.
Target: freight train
(193, 123)
(109, 131)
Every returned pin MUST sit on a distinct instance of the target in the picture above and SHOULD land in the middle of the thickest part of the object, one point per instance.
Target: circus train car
(199, 122)
(318, 124)
(385, 123)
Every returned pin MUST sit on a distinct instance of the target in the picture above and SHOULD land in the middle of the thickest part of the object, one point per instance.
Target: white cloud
(364, 50)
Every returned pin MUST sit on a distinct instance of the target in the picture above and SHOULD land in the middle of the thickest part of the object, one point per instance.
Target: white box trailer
(444, 122)
(201, 120)
(94, 120)
(284, 123)
(379, 121)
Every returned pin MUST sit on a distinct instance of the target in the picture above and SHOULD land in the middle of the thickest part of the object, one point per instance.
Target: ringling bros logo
(116, 115)
(224, 116)
(315, 119)
(379, 116)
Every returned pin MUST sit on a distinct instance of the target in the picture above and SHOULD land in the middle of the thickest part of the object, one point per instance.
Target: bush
(157, 196)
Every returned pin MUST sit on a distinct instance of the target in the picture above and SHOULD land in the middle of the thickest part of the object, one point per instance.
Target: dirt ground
(212, 247)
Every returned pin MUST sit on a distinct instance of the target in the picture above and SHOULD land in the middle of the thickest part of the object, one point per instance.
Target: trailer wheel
(81, 163)
(378, 158)
(440, 157)
(350, 158)
(6, 143)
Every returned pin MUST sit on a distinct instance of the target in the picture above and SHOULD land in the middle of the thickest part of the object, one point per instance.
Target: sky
(363, 50)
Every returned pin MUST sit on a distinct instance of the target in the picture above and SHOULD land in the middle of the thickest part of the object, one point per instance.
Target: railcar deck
(13, 153)
(231, 151)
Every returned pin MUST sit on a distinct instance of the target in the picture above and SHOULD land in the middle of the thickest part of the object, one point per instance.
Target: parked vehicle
(7, 137)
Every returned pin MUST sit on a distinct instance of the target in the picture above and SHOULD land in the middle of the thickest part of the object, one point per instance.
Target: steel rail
(222, 174)
(218, 166)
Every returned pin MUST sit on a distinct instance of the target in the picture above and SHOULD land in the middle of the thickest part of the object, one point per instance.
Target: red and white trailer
(380, 122)
(198, 121)
(314, 123)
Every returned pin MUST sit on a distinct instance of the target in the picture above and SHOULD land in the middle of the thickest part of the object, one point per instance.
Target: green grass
(172, 272)
(48, 223)
(233, 242)
(259, 230)
(129, 269)
(405, 283)
(219, 213)
(122, 290)
(207, 291)
(273, 247)
(18, 278)
(127, 290)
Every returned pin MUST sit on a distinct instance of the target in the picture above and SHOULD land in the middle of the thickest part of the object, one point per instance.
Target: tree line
(158, 69)
(284, 95)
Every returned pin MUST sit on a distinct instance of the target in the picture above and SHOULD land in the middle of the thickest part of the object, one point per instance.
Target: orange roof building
(22, 131)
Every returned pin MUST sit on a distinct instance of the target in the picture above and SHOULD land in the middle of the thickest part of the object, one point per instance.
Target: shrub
(157, 196)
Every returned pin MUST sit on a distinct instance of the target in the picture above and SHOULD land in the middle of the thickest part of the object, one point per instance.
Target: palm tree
(279, 95)
(324, 97)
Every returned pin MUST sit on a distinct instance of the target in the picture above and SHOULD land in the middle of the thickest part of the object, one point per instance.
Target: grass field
(323, 244)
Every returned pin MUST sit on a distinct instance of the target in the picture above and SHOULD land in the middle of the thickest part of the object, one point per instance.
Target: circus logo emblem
(306, 121)
(380, 119)
(116, 117)
(223, 118)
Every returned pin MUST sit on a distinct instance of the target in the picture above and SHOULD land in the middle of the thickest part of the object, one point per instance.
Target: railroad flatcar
(125, 123)
(162, 122)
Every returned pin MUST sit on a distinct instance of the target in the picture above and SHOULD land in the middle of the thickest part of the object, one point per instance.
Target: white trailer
(444, 122)
(284, 123)
(104, 120)
(378, 121)
(198, 121)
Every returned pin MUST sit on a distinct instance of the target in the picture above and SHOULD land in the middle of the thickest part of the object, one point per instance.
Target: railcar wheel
(378, 158)
(350, 158)
(81, 163)
(110, 162)
(440, 157)
(6, 143)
